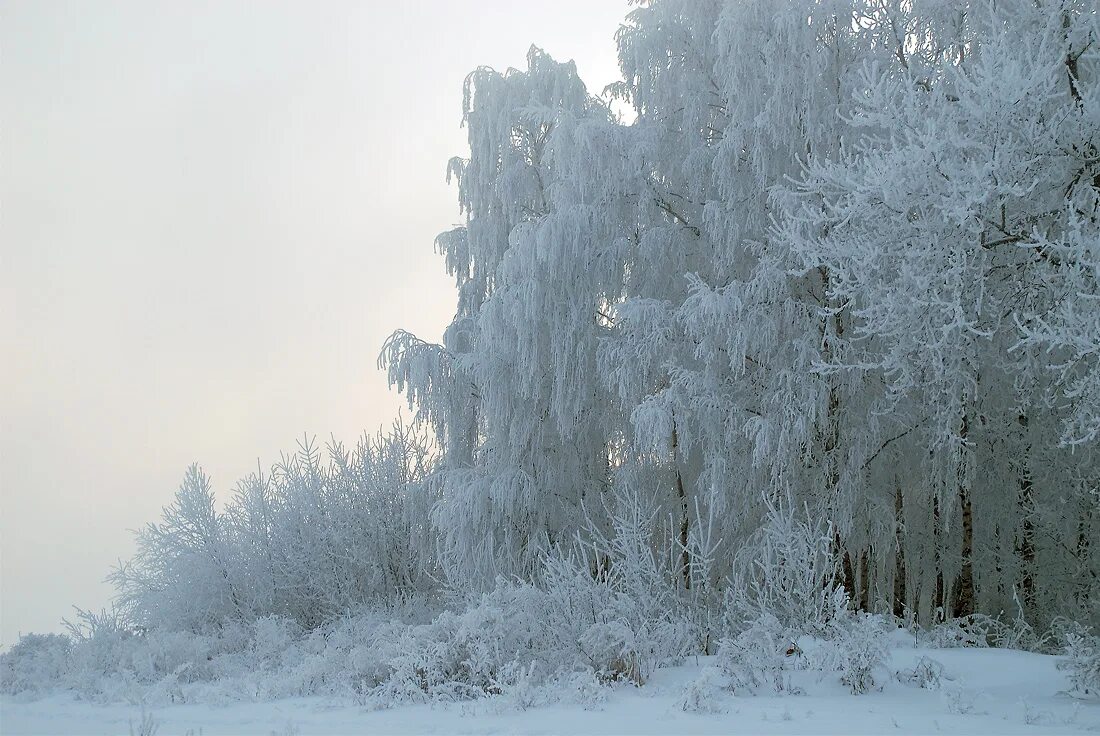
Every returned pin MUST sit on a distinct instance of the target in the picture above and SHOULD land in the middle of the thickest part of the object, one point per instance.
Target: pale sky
(211, 216)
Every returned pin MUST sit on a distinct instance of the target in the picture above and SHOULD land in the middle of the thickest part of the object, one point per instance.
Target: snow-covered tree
(935, 226)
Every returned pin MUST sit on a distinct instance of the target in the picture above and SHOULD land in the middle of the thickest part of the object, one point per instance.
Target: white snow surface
(984, 691)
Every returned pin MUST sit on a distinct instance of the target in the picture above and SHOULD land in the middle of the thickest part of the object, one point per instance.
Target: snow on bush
(1083, 662)
(310, 541)
(927, 673)
(981, 630)
(759, 658)
(578, 629)
(797, 618)
(833, 639)
(36, 663)
(705, 693)
(787, 569)
(270, 658)
(862, 644)
(614, 620)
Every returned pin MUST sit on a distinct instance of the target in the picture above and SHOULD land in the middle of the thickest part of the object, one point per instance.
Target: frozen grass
(965, 691)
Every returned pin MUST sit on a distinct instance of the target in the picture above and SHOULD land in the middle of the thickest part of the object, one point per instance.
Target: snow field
(982, 691)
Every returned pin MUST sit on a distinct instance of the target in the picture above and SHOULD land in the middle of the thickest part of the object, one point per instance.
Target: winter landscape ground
(982, 691)
(771, 406)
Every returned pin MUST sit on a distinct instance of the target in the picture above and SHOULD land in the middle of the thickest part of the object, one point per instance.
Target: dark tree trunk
(937, 557)
(847, 572)
(899, 554)
(681, 494)
(1025, 536)
(963, 594)
(865, 580)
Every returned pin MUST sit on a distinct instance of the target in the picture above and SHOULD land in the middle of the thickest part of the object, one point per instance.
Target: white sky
(211, 216)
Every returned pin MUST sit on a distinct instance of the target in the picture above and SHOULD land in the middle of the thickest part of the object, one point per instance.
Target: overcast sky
(211, 216)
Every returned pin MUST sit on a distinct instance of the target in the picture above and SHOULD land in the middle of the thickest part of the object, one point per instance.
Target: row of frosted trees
(841, 262)
(844, 257)
(321, 535)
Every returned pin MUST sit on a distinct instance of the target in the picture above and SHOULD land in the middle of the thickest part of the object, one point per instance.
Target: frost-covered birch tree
(841, 255)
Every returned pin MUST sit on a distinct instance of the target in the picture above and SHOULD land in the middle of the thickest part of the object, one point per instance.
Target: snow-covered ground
(984, 691)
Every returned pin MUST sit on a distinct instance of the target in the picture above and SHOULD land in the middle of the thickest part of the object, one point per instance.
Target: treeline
(838, 263)
(316, 538)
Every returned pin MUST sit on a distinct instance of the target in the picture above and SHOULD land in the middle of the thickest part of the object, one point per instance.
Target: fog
(211, 216)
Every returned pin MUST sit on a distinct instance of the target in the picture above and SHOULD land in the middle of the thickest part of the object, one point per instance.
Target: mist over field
(213, 215)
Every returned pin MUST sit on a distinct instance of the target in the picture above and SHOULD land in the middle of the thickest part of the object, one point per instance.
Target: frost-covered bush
(956, 698)
(37, 662)
(576, 624)
(312, 540)
(434, 664)
(103, 660)
(524, 688)
(270, 658)
(854, 644)
(705, 693)
(619, 626)
(272, 637)
(602, 611)
(862, 648)
(759, 658)
(981, 630)
(582, 686)
(1083, 663)
(576, 631)
(512, 639)
(927, 673)
(787, 569)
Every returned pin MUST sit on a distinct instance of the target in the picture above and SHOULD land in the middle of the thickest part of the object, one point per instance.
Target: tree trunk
(847, 576)
(865, 580)
(1025, 537)
(899, 554)
(938, 602)
(685, 555)
(963, 594)
(964, 585)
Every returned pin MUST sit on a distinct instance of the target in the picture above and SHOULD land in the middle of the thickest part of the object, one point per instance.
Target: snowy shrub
(927, 673)
(953, 633)
(520, 687)
(787, 569)
(956, 699)
(523, 688)
(471, 652)
(612, 600)
(758, 658)
(36, 663)
(146, 725)
(981, 630)
(615, 619)
(272, 637)
(862, 647)
(1083, 663)
(312, 540)
(704, 694)
(853, 644)
(961, 700)
(581, 686)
